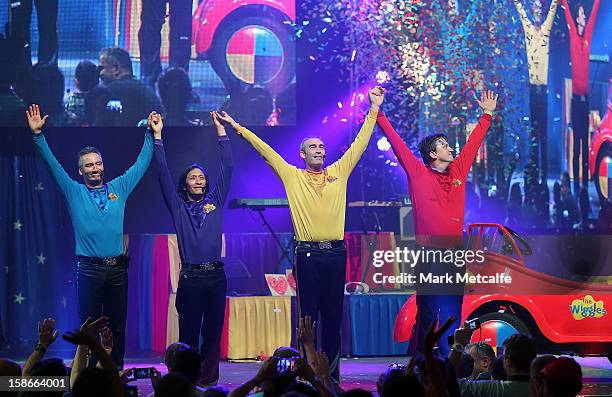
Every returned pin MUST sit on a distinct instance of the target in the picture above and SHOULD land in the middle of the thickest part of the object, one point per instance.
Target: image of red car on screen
(600, 152)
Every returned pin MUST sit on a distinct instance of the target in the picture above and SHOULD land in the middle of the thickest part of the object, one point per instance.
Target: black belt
(108, 261)
(323, 245)
(208, 266)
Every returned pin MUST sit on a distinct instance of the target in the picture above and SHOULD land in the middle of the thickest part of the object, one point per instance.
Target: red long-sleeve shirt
(580, 49)
(438, 198)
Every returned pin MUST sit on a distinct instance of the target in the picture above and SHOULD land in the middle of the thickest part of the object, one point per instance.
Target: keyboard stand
(285, 251)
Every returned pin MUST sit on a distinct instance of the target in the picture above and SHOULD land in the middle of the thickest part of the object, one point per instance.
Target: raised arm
(274, 160)
(407, 160)
(550, 18)
(128, 181)
(350, 158)
(46, 336)
(568, 16)
(219, 192)
(588, 30)
(165, 179)
(522, 14)
(36, 124)
(488, 103)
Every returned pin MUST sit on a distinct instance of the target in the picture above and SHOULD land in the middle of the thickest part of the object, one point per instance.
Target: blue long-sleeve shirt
(97, 233)
(198, 234)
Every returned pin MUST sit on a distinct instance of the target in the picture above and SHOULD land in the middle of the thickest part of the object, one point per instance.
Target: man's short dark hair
(120, 57)
(576, 8)
(427, 145)
(186, 361)
(49, 367)
(174, 89)
(520, 350)
(216, 391)
(482, 350)
(88, 75)
(92, 382)
(87, 150)
(173, 385)
(396, 382)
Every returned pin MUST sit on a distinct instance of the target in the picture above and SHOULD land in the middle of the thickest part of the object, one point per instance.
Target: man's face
(313, 153)
(196, 182)
(537, 11)
(580, 20)
(443, 151)
(480, 364)
(92, 169)
(109, 71)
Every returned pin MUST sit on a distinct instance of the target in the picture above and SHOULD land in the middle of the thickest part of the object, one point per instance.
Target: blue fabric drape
(372, 318)
(37, 270)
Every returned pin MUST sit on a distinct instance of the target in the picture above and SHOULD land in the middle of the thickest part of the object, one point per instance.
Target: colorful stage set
(256, 325)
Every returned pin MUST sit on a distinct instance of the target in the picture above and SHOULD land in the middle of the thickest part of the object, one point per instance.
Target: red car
(564, 316)
(600, 152)
(250, 41)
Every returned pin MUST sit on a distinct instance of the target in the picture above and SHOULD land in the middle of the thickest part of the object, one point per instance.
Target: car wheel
(602, 173)
(496, 327)
(254, 50)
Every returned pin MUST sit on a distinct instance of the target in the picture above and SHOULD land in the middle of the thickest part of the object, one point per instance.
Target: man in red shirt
(437, 192)
(580, 33)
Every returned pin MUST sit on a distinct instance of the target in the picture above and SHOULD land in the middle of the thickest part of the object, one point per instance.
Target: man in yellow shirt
(537, 40)
(317, 203)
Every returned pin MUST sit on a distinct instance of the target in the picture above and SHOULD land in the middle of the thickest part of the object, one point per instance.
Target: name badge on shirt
(113, 197)
(456, 182)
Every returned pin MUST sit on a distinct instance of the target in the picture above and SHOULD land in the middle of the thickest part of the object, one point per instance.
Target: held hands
(156, 124)
(227, 119)
(376, 96)
(35, 122)
(47, 332)
(488, 102)
(217, 123)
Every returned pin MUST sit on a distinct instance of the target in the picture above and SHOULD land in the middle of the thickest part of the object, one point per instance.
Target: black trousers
(436, 302)
(320, 275)
(580, 125)
(20, 18)
(200, 302)
(149, 37)
(538, 109)
(103, 290)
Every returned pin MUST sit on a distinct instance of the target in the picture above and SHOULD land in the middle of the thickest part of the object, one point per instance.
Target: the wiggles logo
(587, 307)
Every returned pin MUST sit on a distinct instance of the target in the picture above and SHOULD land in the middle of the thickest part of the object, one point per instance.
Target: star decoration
(17, 225)
(64, 301)
(39, 187)
(41, 259)
(19, 298)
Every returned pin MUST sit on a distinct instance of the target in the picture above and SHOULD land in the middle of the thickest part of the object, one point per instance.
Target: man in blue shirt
(97, 210)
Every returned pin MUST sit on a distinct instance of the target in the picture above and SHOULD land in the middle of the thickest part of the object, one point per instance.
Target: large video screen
(112, 62)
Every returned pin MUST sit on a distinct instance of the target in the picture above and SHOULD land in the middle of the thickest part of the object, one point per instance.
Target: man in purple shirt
(196, 207)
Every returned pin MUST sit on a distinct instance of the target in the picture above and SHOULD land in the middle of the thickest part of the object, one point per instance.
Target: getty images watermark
(459, 258)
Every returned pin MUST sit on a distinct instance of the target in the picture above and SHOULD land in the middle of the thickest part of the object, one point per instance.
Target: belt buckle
(109, 261)
(207, 266)
(325, 245)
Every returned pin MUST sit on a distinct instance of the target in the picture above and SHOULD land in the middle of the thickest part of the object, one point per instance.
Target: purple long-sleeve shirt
(198, 235)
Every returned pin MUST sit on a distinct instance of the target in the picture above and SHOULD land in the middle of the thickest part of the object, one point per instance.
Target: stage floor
(363, 373)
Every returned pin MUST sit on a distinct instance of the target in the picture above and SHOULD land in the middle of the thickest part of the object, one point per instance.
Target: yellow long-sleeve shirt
(317, 202)
(537, 39)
